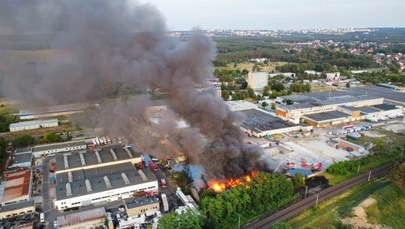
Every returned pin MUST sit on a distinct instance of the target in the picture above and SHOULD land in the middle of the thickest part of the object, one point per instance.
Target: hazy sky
(281, 14)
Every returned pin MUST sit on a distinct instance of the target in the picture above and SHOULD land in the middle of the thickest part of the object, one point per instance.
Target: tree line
(238, 205)
(264, 193)
(6, 120)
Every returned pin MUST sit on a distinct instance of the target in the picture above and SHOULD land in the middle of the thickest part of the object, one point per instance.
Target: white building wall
(319, 109)
(279, 131)
(106, 196)
(257, 80)
(54, 151)
(23, 164)
(32, 125)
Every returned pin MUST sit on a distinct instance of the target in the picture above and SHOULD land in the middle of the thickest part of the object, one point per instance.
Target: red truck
(153, 166)
(164, 184)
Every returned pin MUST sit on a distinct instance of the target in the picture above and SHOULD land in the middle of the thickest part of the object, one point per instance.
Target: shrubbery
(264, 193)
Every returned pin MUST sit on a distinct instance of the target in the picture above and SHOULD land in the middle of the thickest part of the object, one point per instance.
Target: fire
(221, 185)
(217, 186)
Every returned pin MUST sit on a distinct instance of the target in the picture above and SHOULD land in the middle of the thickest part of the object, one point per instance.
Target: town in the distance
(311, 133)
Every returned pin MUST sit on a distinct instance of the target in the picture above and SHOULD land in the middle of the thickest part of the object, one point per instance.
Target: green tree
(278, 87)
(6, 120)
(187, 220)
(273, 106)
(266, 90)
(51, 137)
(298, 180)
(3, 154)
(264, 104)
(263, 193)
(348, 85)
(250, 93)
(398, 175)
(225, 94)
(23, 141)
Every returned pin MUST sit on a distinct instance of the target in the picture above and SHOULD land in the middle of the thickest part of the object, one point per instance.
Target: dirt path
(360, 220)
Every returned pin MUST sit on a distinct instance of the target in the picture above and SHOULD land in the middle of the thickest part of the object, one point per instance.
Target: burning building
(119, 51)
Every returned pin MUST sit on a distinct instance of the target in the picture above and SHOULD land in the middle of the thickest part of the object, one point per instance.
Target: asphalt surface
(310, 201)
(170, 191)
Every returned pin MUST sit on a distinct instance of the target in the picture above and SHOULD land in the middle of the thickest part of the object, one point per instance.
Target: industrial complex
(301, 133)
(322, 109)
(104, 175)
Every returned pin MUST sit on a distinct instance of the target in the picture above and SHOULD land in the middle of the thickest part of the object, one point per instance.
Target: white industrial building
(257, 80)
(102, 157)
(102, 184)
(31, 125)
(16, 188)
(44, 150)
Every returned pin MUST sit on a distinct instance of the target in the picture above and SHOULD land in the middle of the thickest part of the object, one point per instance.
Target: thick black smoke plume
(108, 46)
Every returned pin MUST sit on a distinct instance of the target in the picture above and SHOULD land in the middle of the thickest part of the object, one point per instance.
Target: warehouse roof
(97, 181)
(385, 107)
(376, 91)
(57, 146)
(261, 121)
(91, 158)
(137, 202)
(365, 110)
(322, 98)
(80, 217)
(350, 108)
(23, 150)
(32, 123)
(16, 206)
(368, 110)
(327, 116)
(22, 158)
(240, 105)
(17, 185)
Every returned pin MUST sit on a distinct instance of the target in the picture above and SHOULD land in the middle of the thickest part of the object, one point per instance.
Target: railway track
(310, 201)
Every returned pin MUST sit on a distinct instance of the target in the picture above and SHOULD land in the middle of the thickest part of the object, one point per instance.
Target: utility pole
(369, 176)
(306, 191)
(316, 202)
(239, 222)
(358, 168)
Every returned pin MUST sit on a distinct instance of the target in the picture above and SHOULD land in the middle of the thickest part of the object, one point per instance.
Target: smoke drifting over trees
(111, 45)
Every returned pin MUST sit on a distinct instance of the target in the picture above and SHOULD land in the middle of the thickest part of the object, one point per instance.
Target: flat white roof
(238, 105)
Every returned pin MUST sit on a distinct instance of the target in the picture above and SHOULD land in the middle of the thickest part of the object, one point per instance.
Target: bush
(23, 141)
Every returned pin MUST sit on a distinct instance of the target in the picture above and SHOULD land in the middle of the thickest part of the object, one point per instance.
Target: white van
(42, 217)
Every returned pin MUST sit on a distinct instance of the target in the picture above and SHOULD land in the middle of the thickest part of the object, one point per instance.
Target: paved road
(170, 191)
(304, 204)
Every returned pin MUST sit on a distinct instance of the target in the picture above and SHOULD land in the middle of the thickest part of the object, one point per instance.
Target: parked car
(42, 217)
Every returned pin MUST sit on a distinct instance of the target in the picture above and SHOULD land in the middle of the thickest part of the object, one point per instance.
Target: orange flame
(217, 186)
(221, 185)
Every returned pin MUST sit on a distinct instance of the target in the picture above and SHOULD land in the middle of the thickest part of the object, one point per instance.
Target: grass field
(390, 207)
(7, 106)
(329, 213)
(374, 162)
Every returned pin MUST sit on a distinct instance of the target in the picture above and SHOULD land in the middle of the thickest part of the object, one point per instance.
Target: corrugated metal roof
(35, 122)
(82, 216)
